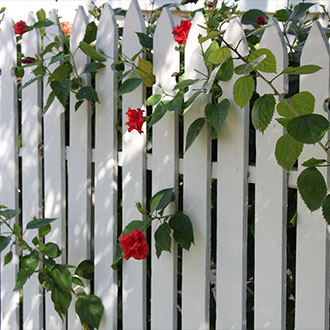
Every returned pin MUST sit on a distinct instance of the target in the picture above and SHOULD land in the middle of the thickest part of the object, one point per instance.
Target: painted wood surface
(164, 175)
(8, 168)
(270, 203)
(232, 203)
(79, 166)
(196, 196)
(105, 197)
(312, 259)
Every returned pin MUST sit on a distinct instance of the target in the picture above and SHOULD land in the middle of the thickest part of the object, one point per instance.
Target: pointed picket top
(54, 29)
(107, 31)
(78, 28)
(235, 34)
(8, 39)
(165, 24)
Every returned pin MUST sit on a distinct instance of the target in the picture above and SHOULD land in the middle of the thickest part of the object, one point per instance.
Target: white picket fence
(70, 191)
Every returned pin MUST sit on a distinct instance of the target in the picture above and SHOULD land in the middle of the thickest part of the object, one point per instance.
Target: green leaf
(45, 279)
(31, 81)
(210, 35)
(226, 70)
(283, 122)
(191, 99)
(59, 57)
(309, 128)
(90, 310)
(161, 199)
(135, 224)
(266, 65)
(61, 90)
(86, 270)
(326, 209)
(312, 187)
(183, 230)
(185, 83)
(39, 70)
(9, 213)
(49, 102)
(43, 23)
(118, 256)
(61, 300)
(303, 103)
(62, 277)
(282, 15)
(193, 131)
(220, 55)
(16, 229)
(51, 250)
(249, 67)
(313, 162)
(8, 258)
(287, 151)
(304, 69)
(43, 231)
(91, 52)
(176, 103)
(20, 280)
(145, 40)
(76, 280)
(89, 93)
(163, 239)
(129, 85)
(263, 111)
(35, 241)
(154, 99)
(300, 10)
(145, 72)
(214, 46)
(251, 15)
(158, 113)
(4, 242)
(41, 15)
(29, 263)
(216, 114)
(77, 105)
(90, 34)
(62, 72)
(37, 223)
(93, 67)
(243, 90)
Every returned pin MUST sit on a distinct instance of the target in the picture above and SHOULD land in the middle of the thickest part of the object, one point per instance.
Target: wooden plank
(270, 204)
(312, 260)
(79, 166)
(54, 172)
(31, 172)
(196, 196)
(133, 173)
(105, 232)
(9, 318)
(232, 203)
(165, 162)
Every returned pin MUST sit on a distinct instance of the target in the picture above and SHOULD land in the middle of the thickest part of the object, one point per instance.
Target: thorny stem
(276, 92)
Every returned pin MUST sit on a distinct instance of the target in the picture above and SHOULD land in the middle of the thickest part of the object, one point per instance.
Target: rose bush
(134, 245)
(135, 119)
(181, 31)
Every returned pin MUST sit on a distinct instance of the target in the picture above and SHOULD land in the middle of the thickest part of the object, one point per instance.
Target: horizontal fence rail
(78, 167)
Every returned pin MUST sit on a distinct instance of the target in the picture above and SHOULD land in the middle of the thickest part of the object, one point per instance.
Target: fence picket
(133, 173)
(54, 171)
(166, 60)
(232, 202)
(105, 232)
(270, 204)
(196, 196)
(31, 172)
(312, 260)
(79, 166)
(9, 318)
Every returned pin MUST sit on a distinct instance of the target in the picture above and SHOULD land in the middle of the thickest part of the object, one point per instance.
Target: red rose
(134, 245)
(21, 27)
(209, 5)
(28, 60)
(181, 31)
(135, 119)
(261, 20)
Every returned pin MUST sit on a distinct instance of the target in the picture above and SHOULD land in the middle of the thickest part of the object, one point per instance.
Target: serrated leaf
(145, 40)
(61, 90)
(309, 128)
(37, 223)
(158, 113)
(313, 162)
(61, 300)
(90, 51)
(243, 90)
(304, 69)
(161, 199)
(287, 151)
(193, 131)
(216, 114)
(91, 31)
(312, 187)
(263, 111)
(89, 93)
(129, 85)
(326, 209)
(4, 242)
(182, 230)
(163, 239)
(154, 99)
(93, 67)
(145, 72)
(251, 15)
(8, 258)
(62, 277)
(220, 55)
(283, 122)
(266, 65)
(85, 269)
(90, 310)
